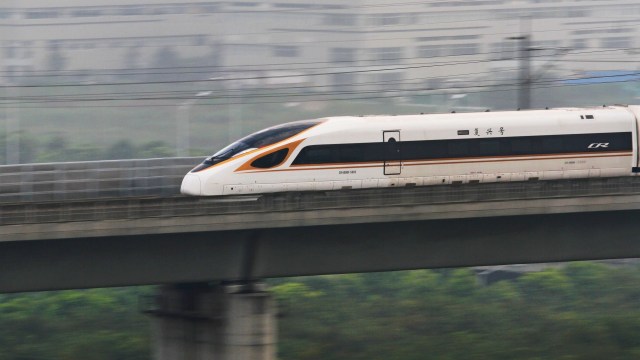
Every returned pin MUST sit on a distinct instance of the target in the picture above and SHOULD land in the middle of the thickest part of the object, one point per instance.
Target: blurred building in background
(329, 43)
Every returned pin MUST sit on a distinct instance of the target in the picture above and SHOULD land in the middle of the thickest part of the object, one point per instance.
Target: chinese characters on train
(489, 131)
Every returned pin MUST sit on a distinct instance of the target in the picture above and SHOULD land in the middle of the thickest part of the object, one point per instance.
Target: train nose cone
(191, 185)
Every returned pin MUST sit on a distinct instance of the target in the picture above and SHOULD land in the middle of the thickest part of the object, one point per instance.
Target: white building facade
(327, 42)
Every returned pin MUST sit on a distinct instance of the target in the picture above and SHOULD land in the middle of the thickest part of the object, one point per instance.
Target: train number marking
(347, 172)
(489, 131)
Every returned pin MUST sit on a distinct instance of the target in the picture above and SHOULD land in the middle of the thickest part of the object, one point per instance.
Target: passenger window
(351, 153)
(489, 148)
(316, 155)
(457, 148)
(552, 145)
(521, 146)
(271, 160)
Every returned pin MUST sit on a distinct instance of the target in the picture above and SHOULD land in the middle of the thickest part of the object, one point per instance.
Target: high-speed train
(420, 150)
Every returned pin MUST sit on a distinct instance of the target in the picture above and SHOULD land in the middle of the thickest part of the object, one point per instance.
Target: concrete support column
(214, 322)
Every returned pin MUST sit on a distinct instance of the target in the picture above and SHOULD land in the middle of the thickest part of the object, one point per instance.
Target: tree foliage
(97, 324)
(582, 311)
(58, 149)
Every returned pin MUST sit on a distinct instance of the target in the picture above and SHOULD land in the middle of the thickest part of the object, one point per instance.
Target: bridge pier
(214, 322)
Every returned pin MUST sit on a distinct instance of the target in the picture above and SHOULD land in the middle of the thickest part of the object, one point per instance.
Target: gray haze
(188, 77)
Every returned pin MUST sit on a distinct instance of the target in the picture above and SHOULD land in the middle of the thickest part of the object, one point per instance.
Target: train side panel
(635, 111)
(591, 142)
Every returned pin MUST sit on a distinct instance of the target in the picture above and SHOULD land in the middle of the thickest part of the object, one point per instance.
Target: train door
(393, 154)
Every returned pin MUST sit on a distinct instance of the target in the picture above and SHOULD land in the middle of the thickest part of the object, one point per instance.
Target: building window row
(386, 55)
(543, 13)
(17, 49)
(340, 19)
(448, 38)
(285, 51)
(124, 10)
(341, 55)
(150, 9)
(193, 40)
(467, 3)
(616, 42)
(6, 13)
(428, 51)
(392, 19)
(603, 31)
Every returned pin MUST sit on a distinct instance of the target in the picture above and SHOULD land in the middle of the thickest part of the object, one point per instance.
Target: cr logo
(598, 145)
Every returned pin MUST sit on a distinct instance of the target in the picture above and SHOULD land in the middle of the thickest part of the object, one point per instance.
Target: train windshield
(257, 140)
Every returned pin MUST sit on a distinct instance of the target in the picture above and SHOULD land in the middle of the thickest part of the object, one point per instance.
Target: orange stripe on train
(446, 161)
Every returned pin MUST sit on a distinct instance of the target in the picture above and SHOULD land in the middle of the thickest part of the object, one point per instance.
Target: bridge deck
(157, 205)
(152, 235)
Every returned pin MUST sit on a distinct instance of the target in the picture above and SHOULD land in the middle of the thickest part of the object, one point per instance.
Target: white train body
(420, 150)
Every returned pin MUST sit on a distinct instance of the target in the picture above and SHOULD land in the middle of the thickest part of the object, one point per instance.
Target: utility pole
(12, 115)
(12, 36)
(526, 79)
(524, 95)
(524, 53)
(183, 133)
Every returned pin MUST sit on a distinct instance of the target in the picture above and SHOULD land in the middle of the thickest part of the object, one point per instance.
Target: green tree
(550, 286)
(100, 324)
(167, 61)
(28, 146)
(123, 149)
(155, 149)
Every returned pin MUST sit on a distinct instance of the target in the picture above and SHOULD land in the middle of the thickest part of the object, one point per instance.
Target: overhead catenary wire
(188, 94)
(177, 96)
(330, 96)
(299, 71)
(308, 90)
(214, 69)
(378, 68)
(300, 66)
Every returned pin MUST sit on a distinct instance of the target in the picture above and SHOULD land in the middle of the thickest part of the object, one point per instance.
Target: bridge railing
(116, 208)
(93, 179)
